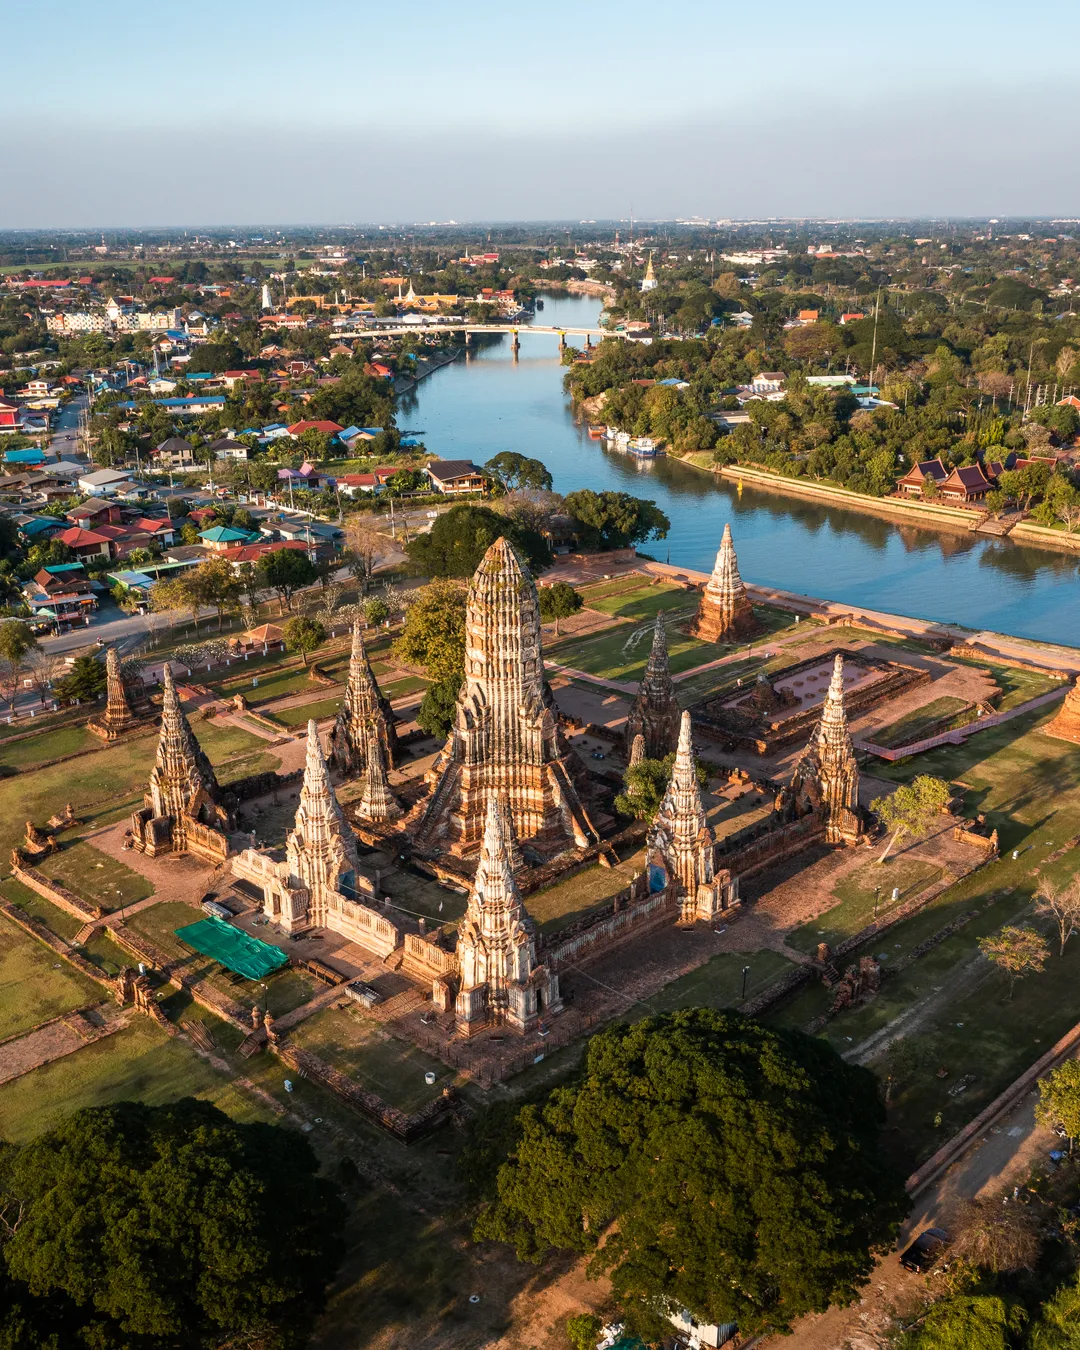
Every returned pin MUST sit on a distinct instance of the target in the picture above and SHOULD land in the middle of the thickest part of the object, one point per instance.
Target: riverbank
(425, 366)
(931, 514)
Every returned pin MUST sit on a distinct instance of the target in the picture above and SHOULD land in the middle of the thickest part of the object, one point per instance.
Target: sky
(348, 111)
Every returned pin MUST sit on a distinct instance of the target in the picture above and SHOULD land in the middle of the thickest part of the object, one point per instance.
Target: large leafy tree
(559, 602)
(968, 1322)
(708, 1161)
(459, 539)
(166, 1228)
(516, 471)
(286, 571)
(434, 637)
(616, 519)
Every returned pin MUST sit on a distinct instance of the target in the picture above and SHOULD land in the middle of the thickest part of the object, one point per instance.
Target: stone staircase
(85, 933)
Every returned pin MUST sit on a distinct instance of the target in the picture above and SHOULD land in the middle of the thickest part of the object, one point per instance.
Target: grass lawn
(32, 988)
(856, 895)
(35, 750)
(556, 906)
(640, 600)
(57, 920)
(1017, 686)
(298, 716)
(407, 684)
(285, 990)
(95, 875)
(718, 680)
(104, 785)
(949, 1008)
(621, 653)
(359, 1046)
(719, 982)
(140, 1063)
(942, 714)
(109, 957)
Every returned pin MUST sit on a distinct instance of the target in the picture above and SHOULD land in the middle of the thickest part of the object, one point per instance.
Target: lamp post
(877, 899)
(745, 972)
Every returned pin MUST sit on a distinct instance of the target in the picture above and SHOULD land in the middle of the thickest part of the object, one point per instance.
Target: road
(65, 439)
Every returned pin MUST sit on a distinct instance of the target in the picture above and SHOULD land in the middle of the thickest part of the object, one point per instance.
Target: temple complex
(318, 883)
(681, 845)
(655, 714)
(1066, 725)
(725, 613)
(182, 809)
(376, 802)
(499, 978)
(365, 715)
(117, 716)
(826, 775)
(505, 741)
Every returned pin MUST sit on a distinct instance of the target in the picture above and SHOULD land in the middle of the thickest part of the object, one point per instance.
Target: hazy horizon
(499, 115)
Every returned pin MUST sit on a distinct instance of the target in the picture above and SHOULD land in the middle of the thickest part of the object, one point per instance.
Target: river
(487, 402)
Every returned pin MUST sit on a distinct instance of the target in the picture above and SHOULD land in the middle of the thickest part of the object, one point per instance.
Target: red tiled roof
(253, 552)
(78, 538)
(330, 428)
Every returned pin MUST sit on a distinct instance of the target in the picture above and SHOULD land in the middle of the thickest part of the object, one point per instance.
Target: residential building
(61, 593)
(452, 476)
(219, 538)
(103, 482)
(932, 470)
(86, 545)
(768, 382)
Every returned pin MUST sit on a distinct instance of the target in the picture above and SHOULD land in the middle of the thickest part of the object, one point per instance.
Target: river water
(487, 402)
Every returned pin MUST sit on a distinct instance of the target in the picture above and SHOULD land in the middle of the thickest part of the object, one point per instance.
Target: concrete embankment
(932, 515)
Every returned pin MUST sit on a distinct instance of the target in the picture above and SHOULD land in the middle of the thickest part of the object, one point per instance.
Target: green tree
(16, 644)
(559, 601)
(460, 537)
(436, 712)
(433, 635)
(1018, 951)
(215, 585)
(176, 593)
(967, 1322)
(170, 1228)
(609, 520)
(303, 634)
(645, 783)
(286, 571)
(583, 1331)
(1058, 1325)
(730, 1168)
(1059, 1098)
(376, 610)
(83, 683)
(911, 809)
(516, 472)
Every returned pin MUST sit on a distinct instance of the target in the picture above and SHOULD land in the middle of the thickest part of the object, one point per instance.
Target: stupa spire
(321, 848)
(181, 769)
(376, 801)
(680, 841)
(826, 776)
(505, 740)
(725, 613)
(117, 716)
(364, 715)
(655, 714)
(496, 949)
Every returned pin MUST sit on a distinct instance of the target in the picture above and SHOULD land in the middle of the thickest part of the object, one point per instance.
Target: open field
(95, 875)
(57, 920)
(634, 598)
(35, 750)
(35, 984)
(110, 782)
(949, 1009)
(860, 894)
(719, 982)
(361, 1048)
(621, 653)
(140, 1063)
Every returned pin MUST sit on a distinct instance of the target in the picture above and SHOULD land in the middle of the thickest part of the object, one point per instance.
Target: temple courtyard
(377, 1018)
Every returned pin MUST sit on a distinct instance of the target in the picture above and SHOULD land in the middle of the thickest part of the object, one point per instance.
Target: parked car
(925, 1250)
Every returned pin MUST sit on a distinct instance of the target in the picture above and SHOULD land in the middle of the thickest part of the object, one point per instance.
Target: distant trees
(706, 1161)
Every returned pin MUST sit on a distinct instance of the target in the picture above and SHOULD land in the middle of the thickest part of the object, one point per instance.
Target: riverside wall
(933, 515)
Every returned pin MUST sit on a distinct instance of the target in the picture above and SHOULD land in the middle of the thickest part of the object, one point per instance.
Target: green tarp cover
(234, 948)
